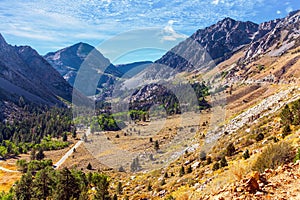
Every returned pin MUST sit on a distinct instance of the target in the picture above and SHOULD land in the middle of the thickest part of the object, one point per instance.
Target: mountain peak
(2, 41)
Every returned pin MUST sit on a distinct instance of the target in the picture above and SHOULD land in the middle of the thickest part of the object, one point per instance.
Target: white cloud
(278, 12)
(170, 34)
(216, 2)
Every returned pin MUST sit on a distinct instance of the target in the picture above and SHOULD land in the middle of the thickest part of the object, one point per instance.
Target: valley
(224, 123)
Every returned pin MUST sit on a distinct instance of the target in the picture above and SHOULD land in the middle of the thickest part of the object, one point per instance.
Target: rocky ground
(281, 183)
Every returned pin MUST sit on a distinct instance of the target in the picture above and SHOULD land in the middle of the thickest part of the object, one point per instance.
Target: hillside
(241, 142)
(25, 74)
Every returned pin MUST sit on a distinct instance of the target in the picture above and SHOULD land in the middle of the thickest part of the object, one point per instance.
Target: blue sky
(50, 25)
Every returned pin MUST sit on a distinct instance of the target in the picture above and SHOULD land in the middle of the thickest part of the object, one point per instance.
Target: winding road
(69, 153)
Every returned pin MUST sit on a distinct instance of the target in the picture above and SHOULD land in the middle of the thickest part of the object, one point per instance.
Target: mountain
(68, 61)
(281, 35)
(24, 73)
(133, 68)
(211, 45)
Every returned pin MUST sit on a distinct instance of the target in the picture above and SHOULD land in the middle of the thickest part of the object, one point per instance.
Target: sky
(51, 25)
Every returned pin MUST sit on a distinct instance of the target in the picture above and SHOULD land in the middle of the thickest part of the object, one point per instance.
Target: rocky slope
(23, 72)
(219, 41)
(281, 36)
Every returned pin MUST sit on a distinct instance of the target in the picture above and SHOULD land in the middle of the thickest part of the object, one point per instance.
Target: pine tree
(67, 186)
(32, 154)
(89, 166)
(40, 155)
(119, 188)
(189, 169)
(216, 166)
(286, 116)
(74, 134)
(230, 149)
(115, 197)
(246, 154)
(156, 145)
(223, 162)
(149, 187)
(65, 137)
(23, 189)
(43, 184)
(181, 171)
(208, 160)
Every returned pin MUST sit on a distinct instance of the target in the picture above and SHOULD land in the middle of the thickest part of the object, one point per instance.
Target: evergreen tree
(65, 137)
(101, 185)
(89, 166)
(74, 134)
(40, 155)
(119, 188)
(208, 160)
(166, 175)
(230, 149)
(115, 197)
(286, 116)
(23, 189)
(43, 183)
(246, 154)
(181, 171)
(216, 166)
(189, 169)
(32, 154)
(67, 186)
(223, 162)
(156, 145)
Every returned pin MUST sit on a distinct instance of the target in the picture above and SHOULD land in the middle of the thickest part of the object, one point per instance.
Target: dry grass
(272, 156)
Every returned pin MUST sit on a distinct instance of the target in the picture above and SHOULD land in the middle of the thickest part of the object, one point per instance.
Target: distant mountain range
(47, 80)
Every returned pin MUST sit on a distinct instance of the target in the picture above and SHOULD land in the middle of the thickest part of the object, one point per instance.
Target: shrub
(259, 137)
(272, 156)
(181, 171)
(246, 154)
(208, 160)
(189, 169)
(216, 166)
(286, 131)
(223, 162)
(230, 149)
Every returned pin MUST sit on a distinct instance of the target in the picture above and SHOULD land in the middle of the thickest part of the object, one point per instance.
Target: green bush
(272, 156)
